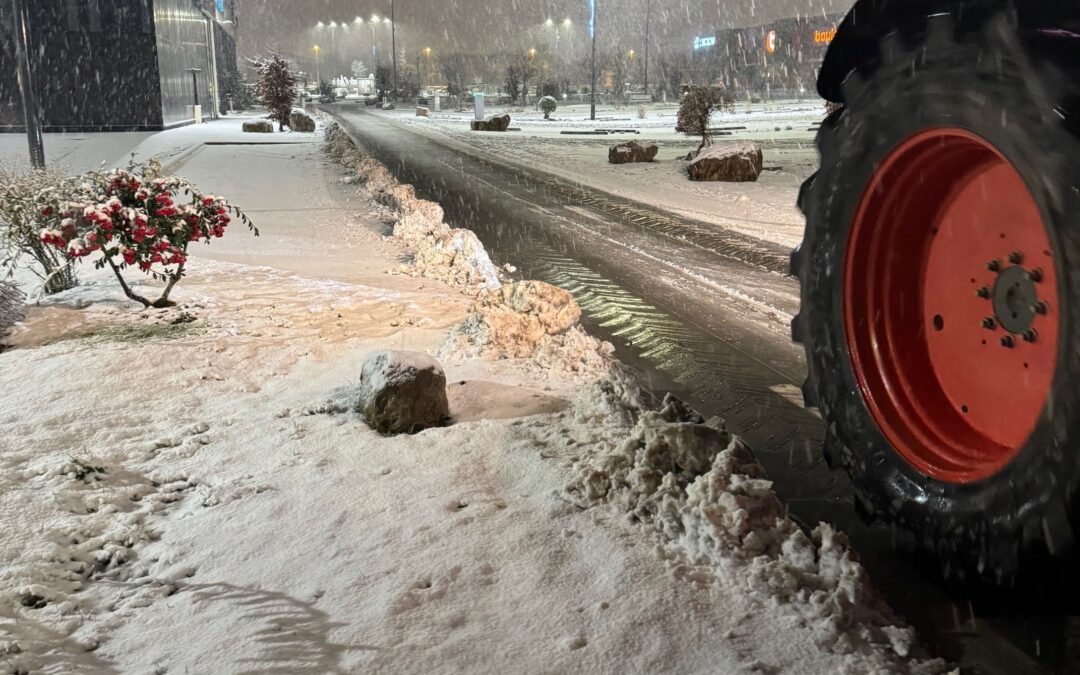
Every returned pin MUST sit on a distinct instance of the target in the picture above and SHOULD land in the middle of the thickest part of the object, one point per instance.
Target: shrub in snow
(20, 228)
(696, 107)
(12, 307)
(641, 112)
(402, 392)
(548, 106)
(276, 87)
(133, 218)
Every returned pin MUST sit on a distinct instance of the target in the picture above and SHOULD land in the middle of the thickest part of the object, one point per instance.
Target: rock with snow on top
(728, 162)
(631, 152)
(402, 392)
(258, 127)
(496, 123)
(421, 111)
(302, 122)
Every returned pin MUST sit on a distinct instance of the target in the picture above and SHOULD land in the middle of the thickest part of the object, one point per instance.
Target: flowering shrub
(20, 226)
(134, 218)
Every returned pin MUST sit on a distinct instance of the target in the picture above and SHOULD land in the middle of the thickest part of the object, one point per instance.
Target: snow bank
(528, 320)
(717, 518)
(454, 256)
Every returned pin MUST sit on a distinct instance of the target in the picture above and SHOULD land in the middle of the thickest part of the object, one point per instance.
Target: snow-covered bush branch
(134, 218)
(21, 193)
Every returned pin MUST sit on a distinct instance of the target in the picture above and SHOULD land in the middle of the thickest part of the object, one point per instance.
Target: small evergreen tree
(697, 105)
(276, 87)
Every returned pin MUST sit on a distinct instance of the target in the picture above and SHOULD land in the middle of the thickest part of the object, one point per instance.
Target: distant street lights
(551, 24)
(318, 68)
(333, 44)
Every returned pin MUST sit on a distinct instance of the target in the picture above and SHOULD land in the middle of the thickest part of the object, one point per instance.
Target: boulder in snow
(632, 151)
(402, 392)
(496, 123)
(421, 111)
(301, 121)
(730, 162)
(258, 127)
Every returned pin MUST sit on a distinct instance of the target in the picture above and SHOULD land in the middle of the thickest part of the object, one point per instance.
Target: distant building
(778, 59)
(121, 65)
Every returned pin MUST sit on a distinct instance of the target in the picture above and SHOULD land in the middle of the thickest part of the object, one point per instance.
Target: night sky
(492, 26)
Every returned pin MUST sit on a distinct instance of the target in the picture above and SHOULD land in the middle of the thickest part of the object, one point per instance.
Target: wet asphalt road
(702, 313)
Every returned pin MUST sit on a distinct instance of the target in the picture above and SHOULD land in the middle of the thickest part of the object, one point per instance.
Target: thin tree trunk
(123, 284)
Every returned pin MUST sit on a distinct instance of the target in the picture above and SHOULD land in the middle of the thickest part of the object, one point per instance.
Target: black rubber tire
(978, 81)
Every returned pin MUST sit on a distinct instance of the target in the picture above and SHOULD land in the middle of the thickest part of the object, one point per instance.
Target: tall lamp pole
(318, 69)
(648, 18)
(26, 85)
(592, 33)
(393, 45)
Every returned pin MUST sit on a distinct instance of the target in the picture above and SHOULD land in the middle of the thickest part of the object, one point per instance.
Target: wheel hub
(1014, 300)
(954, 355)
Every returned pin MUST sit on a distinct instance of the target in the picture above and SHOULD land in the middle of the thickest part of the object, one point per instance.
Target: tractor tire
(940, 279)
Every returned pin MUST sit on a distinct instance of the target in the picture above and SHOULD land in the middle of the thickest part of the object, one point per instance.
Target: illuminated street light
(551, 24)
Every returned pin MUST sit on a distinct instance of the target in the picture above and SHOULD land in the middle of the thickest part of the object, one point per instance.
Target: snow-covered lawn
(188, 491)
(765, 209)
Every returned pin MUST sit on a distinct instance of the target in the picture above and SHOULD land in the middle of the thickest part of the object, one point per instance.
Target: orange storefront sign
(824, 37)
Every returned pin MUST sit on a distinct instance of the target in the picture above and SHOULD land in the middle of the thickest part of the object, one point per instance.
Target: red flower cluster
(145, 221)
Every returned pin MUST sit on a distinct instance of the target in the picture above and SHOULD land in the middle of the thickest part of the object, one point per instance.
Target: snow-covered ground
(187, 491)
(765, 209)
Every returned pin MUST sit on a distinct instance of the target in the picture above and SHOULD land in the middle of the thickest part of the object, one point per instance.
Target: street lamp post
(427, 54)
(592, 33)
(26, 85)
(393, 45)
(648, 20)
(374, 49)
(318, 69)
(333, 48)
(550, 24)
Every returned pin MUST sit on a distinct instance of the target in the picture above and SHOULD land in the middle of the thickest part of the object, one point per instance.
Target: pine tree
(276, 87)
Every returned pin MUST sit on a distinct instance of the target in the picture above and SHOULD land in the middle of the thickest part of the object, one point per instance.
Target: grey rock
(631, 152)
(402, 392)
(301, 121)
(731, 162)
(259, 127)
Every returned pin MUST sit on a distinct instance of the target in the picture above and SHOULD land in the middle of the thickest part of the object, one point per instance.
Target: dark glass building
(121, 65)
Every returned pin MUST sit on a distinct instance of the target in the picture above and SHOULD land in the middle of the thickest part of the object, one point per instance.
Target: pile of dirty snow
(717, 519)
(454, 256)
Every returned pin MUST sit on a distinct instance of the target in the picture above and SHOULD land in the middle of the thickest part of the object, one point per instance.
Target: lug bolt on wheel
(989, 323)
(994, 265)
(1008, 341)
(1030, 335)
(1016, 257)
(983, 292)
(1041, 308)
(1036, 275)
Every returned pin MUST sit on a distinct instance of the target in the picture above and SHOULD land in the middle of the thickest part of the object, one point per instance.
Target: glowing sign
(703, 42)
(772, 41)
(824, 37)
